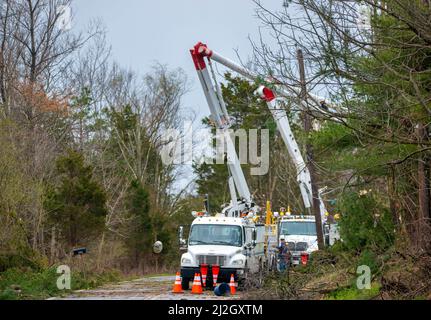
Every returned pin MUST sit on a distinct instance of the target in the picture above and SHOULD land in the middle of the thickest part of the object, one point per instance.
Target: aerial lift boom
(201, 51)
(237, 183)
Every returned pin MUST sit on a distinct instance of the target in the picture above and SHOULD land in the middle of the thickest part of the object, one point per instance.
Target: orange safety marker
(204, 272)
(215, 271)
(304, 258)
(197, 287)
(232, 285)
(177, 285)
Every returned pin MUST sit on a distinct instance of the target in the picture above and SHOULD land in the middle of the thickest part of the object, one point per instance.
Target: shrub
(365, 223)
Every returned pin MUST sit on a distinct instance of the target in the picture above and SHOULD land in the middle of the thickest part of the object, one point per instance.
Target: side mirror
(326, 228)
(157, 247)
(250, 245)
(181, 241)
(254, 235)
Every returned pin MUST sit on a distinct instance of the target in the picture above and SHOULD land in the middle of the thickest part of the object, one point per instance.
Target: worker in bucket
(283, 255)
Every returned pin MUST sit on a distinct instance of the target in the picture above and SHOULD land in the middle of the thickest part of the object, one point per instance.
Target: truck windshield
(215, 234)
(306, 228)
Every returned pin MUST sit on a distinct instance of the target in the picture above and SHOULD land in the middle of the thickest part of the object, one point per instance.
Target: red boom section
(198, 52)
(268, 94)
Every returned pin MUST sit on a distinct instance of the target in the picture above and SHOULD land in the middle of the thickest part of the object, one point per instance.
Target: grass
(25, 283)
(352, 293)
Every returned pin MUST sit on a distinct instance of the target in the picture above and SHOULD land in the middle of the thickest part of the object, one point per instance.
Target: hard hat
(282, 238)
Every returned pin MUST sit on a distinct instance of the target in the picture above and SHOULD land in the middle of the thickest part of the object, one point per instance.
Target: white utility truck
(274, 97)
(231, 240)
(300, 235)
(234, 244)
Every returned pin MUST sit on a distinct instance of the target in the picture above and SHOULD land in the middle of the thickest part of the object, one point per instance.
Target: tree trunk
(100, 250)
(309, 155)
(53, 244)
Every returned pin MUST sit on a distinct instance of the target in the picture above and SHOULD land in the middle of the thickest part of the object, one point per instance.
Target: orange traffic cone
(177, 285)
(215, 270)
(232, 285)
(197, 287)
(204, 273)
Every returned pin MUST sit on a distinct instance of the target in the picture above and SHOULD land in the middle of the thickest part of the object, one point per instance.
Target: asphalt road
(149, 288)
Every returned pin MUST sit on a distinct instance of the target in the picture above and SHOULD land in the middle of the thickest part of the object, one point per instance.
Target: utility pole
(315, 206)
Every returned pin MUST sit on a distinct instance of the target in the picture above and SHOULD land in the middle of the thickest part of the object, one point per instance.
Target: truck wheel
(185, 283)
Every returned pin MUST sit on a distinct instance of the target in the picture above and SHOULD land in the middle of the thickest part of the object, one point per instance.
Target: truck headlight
(186, 261)
(239, 262)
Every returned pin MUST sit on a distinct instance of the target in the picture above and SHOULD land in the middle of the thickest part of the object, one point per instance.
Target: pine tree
(77, 204)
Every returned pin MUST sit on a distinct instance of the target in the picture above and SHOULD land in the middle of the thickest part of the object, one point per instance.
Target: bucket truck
(274, 103)
(230, 242)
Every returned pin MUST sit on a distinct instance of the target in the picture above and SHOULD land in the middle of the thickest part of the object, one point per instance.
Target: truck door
(252, 261)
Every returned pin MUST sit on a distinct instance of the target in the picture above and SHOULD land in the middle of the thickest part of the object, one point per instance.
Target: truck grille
(298, 246)
(219, 260)
(291, 246)
(301, 246)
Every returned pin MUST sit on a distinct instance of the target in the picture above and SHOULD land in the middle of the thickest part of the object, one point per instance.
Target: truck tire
(185, 283)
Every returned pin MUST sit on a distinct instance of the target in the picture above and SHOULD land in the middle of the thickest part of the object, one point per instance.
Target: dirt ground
(148, 288)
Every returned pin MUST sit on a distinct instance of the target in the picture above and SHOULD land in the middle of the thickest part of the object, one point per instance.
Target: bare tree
(340, 39)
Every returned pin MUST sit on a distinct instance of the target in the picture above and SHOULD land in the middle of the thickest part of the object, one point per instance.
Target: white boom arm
(282, 89)
(221, 119)
(303, 175)
(279, 115)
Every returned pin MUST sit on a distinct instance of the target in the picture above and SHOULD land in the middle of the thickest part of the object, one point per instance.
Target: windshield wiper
(224, 242)
(198, 241)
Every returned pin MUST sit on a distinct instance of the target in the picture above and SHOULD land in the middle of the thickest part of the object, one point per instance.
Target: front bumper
(296, 257)
(223, 276)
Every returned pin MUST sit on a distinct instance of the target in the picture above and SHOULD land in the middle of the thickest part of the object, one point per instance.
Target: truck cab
(234, 244)
(301, 236)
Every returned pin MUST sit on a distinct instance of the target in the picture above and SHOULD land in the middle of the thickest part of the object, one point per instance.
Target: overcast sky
(142, 32)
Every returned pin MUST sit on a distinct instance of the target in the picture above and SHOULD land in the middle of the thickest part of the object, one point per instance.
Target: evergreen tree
(138, 204)
(77, 204)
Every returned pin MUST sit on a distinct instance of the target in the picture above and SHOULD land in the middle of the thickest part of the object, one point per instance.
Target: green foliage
(77, 204)
(352, 293)
(16, 189)
(212, 180)
(365, 223)
(138, 205)
(31, 284)
(243, 106)
(24, 257)
(24, 283)
(124, 121)
(88, 280)
(333, 135)
(369, 258)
